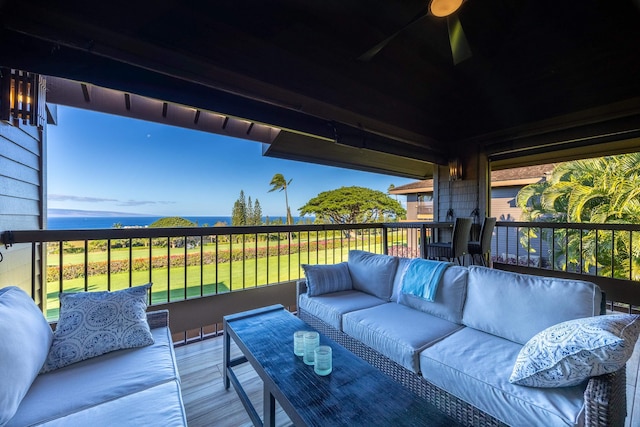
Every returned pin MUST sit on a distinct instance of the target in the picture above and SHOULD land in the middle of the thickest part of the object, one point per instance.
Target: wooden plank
(19, 222)
(18, 153)
(19, 171)
(23, 136)
(16, 206)
(206, 401)
(21, 189)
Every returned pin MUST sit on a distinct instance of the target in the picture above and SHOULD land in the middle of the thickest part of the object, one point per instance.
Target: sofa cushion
(475, 367)
(518, 306)
(372, 273)
(85, 384)
(330, 307)
(569, 353)
(324, 279)
(95, 323)
(449, 299)
(397, 331)
(422, 277)
(25, 338)
(160, 405)
(403, 264)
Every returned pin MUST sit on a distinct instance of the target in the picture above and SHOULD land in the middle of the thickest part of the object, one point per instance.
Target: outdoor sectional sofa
(460, 350)
(134, 386)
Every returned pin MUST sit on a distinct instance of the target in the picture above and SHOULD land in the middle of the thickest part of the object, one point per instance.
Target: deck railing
(188, 263)
(607, 254)
(198, 272)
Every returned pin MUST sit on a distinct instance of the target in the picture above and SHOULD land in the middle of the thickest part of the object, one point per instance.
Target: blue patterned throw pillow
(324, 279)
(95, 323)
(570, 352)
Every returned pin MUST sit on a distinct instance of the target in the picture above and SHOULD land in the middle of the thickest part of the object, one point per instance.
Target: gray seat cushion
(518, 306)
(330, 307)
(449, 299)
(101, 379)
(391, 329)
(160, 405)
(476, 366)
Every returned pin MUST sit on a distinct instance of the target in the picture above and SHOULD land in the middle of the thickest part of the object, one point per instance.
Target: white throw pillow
(95, 323)
(324, 279)
(25, 338)
(570, 352)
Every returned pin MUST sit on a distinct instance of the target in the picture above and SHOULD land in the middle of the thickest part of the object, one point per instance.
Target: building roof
(501, 178)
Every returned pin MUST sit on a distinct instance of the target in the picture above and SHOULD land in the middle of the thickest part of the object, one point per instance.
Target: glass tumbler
(323, 363)
(311, 341)
(298, 343)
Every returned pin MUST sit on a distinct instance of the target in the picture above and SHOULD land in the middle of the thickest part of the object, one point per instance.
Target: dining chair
(457, 248)
(482, 247)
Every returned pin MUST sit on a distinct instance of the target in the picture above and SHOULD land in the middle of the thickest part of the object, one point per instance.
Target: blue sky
(101, 162)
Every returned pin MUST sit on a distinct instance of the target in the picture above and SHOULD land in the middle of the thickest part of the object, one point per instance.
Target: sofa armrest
(301, 288)
(605, 399)
(158, 319)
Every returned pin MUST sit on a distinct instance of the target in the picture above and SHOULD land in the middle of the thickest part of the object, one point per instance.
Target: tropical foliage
(602, 190)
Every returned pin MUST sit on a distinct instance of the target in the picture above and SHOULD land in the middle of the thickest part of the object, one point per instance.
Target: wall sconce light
(20, 92)
(455, 169)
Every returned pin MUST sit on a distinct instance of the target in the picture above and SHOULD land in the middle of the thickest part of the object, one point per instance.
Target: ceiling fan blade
(368, 55)
(459, 46)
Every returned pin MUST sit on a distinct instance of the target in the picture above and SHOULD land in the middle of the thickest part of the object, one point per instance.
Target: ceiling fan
(439, 8)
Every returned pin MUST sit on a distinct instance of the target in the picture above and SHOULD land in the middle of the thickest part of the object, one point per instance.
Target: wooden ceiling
(544, 75)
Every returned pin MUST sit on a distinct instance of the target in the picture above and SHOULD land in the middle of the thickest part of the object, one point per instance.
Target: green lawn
(171, 284)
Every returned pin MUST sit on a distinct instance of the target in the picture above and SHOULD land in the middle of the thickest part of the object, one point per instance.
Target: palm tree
(279, 183)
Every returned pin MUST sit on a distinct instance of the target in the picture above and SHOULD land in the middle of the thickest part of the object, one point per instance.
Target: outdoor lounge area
(196, 311)
(395, 88)
(198, 363)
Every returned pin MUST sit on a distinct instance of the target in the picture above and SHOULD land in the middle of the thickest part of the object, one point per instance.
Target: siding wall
(412, 207)
(503, 204)
(21, 201)
(462, 196)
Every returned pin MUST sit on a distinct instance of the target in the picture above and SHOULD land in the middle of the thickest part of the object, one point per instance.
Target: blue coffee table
(354, 394)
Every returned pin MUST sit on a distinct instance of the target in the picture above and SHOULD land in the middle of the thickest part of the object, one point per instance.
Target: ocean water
(97, 222)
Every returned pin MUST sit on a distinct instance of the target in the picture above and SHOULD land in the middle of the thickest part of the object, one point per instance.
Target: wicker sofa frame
(605, 396)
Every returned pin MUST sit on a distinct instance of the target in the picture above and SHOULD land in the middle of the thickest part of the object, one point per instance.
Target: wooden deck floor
(208, 404)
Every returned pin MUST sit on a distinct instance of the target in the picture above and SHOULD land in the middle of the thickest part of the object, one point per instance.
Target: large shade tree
(174, 222)
(603, 190)
(353, 205)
